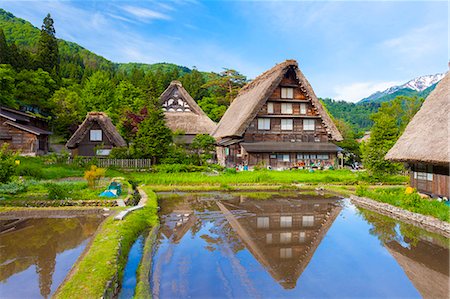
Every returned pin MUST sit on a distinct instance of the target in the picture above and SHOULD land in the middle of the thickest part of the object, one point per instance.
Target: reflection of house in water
(38, 242)
(423, 265)
(282, 234)
(178, 222)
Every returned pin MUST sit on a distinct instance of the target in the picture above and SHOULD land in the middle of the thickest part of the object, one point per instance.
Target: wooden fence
(120, 163)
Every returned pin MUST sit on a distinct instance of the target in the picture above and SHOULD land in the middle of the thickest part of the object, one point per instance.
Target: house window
(308, 220)
(429, 176)
(302, 237)
(96, 135)
(273, 156)
(287, 93)
(286, 108)
(309, 125)
(286, 221)
(262, 222)
(285, 238)
(103, 152)
(269, 108)
(287, 124)
(264, 123)
(227, 151)
(323, 157)
(302, 108)
(268, 238)
(283, 157)
(285, 253)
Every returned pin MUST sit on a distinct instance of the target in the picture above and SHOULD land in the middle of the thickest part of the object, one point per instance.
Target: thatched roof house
(97, 135)
(277, 120)
(424, 144)
(183, 114)
(255, 94)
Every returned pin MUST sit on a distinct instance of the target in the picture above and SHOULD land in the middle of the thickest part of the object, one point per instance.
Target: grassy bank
(107, 256)
(412, 202)
(143, 273)
(344, 177)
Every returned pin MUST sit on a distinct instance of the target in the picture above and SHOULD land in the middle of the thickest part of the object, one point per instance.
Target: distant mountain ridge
(26, 35)
(420, 86)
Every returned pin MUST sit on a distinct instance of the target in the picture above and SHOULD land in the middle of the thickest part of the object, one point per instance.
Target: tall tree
(98, 93)
(68, 111)
(48, 53)
(389, 122)
(7, 88)
(226, 84)
(4, 50)
(153, 137)
(193, 82)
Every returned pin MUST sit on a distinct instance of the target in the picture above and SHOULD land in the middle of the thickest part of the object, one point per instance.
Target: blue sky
(346, 49)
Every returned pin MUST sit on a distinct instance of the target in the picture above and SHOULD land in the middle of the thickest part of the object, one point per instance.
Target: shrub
(230, 171)
(120, 153)
(93, 175)
(177, 168)
(58, 191)
(13, 188)
(30, 170)
(7, 164)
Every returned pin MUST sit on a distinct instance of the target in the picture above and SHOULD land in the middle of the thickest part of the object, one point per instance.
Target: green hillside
(74, 58)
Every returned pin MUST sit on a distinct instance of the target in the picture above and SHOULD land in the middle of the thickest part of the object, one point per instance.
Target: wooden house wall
(436, 182)
(88, 148)
(237, 155)
(18, 140)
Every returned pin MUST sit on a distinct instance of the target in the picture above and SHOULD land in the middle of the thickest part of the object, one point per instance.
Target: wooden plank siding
(430, 179)
(18, 140)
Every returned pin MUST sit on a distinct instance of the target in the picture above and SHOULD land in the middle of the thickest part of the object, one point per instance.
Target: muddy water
(36, 254)
(291, 246)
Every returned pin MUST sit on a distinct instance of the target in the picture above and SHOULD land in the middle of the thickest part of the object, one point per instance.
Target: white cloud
(417, 43)
(354, 92)
(145, 14)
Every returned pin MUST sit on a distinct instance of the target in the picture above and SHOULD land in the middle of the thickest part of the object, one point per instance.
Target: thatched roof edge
(105, 124)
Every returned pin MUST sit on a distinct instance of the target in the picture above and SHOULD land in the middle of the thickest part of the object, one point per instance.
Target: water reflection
(40, 252)
(423, 256)
(289, 245)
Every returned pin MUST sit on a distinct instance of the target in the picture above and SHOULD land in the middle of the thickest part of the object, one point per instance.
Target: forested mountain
(76, 81)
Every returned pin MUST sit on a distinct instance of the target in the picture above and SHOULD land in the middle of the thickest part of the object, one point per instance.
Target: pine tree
(48, 53)
(4, 50)
(153, 138)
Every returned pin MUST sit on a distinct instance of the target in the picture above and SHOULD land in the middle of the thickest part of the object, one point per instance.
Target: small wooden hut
(424, 145)
(96, 136)
(24, 132)
(277, 121)
(183, 114)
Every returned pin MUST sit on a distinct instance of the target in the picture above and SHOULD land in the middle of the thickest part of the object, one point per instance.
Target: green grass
(143, 284)
(108, 253)
(344, 177)
(412, 202)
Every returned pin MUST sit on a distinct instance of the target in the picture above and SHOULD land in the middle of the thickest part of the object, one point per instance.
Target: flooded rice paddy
(254, 245)
(37, 253)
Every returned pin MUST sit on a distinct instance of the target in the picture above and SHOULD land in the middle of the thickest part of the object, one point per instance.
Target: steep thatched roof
(105, 124)
(254, 95)
(192, 121)
(426, 137)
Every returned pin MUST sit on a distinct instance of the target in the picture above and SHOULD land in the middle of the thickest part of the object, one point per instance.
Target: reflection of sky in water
(215, 262)
(25, 284)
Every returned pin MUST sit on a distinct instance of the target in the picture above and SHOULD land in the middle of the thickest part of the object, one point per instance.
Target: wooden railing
(120, 163)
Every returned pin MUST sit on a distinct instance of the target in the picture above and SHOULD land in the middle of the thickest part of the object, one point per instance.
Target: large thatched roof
(105, 124)
(191, 121)
(254, 95)
(426, 137)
